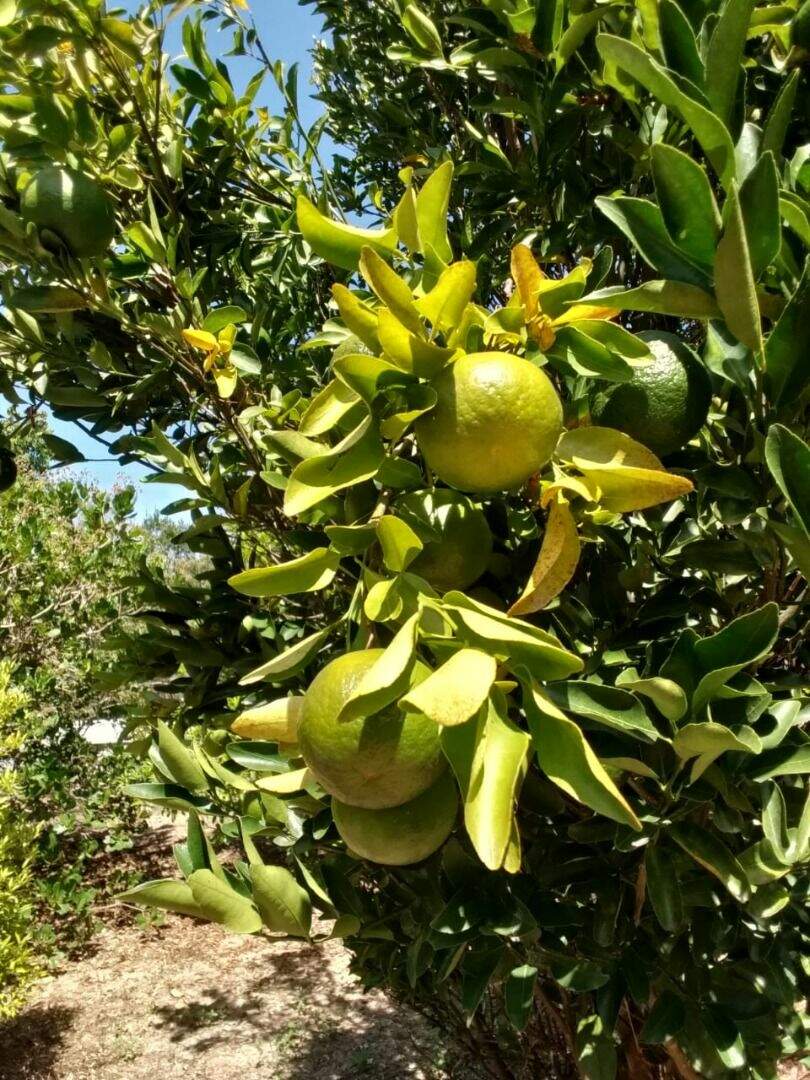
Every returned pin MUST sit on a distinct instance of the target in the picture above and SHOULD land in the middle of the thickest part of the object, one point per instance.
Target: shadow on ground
(31, 1043)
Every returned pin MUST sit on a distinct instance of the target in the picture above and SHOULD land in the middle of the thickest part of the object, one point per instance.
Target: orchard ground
(183, 998)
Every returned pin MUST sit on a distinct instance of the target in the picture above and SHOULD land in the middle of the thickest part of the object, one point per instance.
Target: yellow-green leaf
(327, 408)
(666, 695)
(336, 242)
(284, 906)
(445, 304)
(286, 783)
(565, 756)
(179, 760)
(222, 904)
(391, 290)
(357, 315)
(388, 678)
(455, 692)
(226, 379)
(400, 544)
(556, 563)
(354, 459)
(432, 204)
(734, 284)
(312, 571)
(489, 757)
(409, 352)
(288, 662)
(277, 721)
(167, 895)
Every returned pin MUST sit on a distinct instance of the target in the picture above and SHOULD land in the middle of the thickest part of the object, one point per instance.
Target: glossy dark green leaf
(678, 43)
(788, 458)
(777, 120)
(663, 888)
(665, 1020)
(596, 1050)
(687, 204)
(608, 705)
(172, 796)
(759, 202)
(712, 854)
(642, 223)
(518, 995)
(788, 345)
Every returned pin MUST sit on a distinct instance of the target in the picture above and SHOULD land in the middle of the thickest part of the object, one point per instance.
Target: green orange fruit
(495, 423)
(666, 402)
(459, 554)
(72, 206)
(400, 835)
(375, 761)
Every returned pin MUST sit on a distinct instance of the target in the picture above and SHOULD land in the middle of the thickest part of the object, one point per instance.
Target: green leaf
(606, 705)
(218, 318)
(588, 356)
(663, 888)
(788, 345)
(180, 762)
(518, 995)
(642, 223)
(777, 120)
(759, 202)
(167, 895)
(725, 1036)
(357, 315)
(709, 131)
(355, 459)
(172, 796)
(290, 661)
(62, 450)
(566, 758)
(432, 203)
(743, 641)
(687, 204)
(509, 638)
(576, 34)
(660, 297)
(711, 738)
(596, 1049)
(222, 904)
(665, 1020)
(400, 544)
(725, 55)
(488, 756)
(388, 677)
(455, 692)
(788, 459)
(678, 43)
(784, 761)
(336, 242)
(258, 756)
(665, 694)
(712, 855)
(734, 284)
(284, 906)
(309, 572)
(46, 298)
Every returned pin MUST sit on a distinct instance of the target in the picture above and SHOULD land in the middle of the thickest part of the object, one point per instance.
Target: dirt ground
(188, 1000)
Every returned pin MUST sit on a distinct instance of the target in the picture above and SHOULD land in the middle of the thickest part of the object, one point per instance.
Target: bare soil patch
(187, 999)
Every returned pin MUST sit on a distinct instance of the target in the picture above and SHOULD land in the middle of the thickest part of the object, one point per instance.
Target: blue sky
(287, 32)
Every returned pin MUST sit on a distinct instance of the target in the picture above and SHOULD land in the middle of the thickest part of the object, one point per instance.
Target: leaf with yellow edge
(357, 315)
(388, 677)
(567, 759)
(389, 287)
(432, 204)
(200, 339)
(528, 278)
(579, 312)
(556, 562)
(489, 755)
(336, 242)
(621, 474)
(445, 304)
(408, 351)
(455, 692)
(286, 783)
(276, 722)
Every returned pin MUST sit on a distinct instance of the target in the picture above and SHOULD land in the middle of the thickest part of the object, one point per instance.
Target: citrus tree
(498, 660)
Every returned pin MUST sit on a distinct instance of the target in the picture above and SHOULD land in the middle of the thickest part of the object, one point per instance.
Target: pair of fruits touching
(69, 209)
